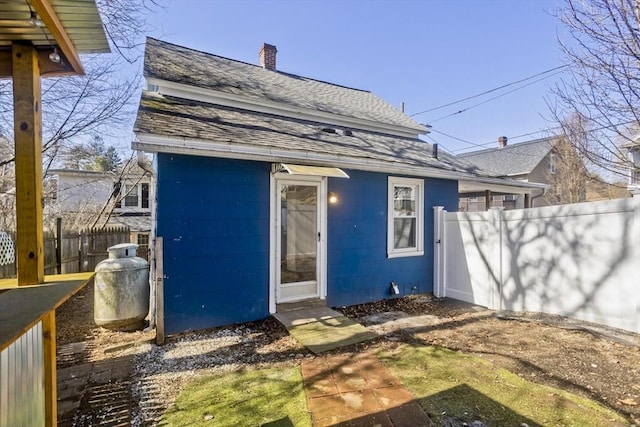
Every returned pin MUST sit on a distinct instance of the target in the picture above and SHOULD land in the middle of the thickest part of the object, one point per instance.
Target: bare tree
(602, 49)
(76, 110)
(568, 173)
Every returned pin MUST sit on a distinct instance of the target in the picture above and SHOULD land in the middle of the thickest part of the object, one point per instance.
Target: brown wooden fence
(73, 252)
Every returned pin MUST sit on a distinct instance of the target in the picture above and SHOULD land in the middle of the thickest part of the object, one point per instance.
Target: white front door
(298, 267)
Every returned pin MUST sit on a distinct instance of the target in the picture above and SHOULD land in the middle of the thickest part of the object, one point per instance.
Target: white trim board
(162, 144)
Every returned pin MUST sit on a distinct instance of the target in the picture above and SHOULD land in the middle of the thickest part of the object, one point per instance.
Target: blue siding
(358, 269)
(214, 217)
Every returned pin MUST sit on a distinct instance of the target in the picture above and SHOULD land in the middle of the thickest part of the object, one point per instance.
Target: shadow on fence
(72, 252)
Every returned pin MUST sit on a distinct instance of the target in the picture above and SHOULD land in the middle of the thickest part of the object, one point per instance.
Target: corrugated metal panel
(22, 381)
(80, 19)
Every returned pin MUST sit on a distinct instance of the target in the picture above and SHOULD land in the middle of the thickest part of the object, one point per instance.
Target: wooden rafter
(47, 68)
(48, 15)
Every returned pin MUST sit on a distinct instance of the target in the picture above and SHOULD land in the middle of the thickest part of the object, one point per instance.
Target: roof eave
(161, 144)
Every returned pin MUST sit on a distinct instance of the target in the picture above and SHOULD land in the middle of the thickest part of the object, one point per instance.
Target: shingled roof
(511, 160)
(179, 64)
(241, 130)
(173, 120)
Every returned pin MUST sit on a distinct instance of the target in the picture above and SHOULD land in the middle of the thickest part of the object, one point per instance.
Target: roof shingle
(179, 64)
(516, 159)
(180, 118)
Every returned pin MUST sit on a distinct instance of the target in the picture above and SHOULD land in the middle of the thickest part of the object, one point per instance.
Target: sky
(420, 53)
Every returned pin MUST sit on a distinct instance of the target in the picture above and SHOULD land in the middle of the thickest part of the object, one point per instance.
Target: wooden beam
(48, 15)
(527, 200)
(28, 164)
(50, 374)
(159, 271)
(487, 198)
(47, 68)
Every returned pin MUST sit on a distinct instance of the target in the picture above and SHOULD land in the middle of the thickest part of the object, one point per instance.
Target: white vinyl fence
(580, 260)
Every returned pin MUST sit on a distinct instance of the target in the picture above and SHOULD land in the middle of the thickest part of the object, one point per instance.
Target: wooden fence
(73, 252)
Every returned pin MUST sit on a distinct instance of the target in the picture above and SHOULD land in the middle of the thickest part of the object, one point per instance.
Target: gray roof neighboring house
(511, 160)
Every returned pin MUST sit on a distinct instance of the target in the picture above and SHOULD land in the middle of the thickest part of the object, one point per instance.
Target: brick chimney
(268, 56)
(502, 142)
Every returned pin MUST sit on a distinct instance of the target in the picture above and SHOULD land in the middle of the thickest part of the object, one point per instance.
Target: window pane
(404, 232)
(131, 199)
(145, 195)
(299, 233)
(404, 201)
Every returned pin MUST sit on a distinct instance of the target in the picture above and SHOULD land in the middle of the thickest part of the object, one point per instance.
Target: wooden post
(159, 292)
(487, 198)
(28, 148)
(527, 200)
(27, 121)
(50, 375)
(59, 245)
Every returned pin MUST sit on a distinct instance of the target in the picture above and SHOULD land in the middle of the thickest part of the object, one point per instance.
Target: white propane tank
(121, 284)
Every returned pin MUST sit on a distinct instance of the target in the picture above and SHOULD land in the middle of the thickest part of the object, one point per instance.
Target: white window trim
(138, 207)
(419, 249)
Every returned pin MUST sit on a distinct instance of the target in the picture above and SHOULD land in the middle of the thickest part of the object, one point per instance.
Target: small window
(553, 163)
(145, 195)
(635, 176)
(405, 217)
(143, 239)
(131, 196)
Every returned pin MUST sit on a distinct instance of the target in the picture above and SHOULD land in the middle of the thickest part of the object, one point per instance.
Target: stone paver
(93, 393)
(357, 390)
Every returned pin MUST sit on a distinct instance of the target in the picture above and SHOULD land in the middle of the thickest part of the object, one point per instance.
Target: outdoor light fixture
(55, 56)
(34, 21)
(333, 198)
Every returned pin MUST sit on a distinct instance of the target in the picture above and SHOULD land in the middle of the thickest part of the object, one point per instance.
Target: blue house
(273, 188)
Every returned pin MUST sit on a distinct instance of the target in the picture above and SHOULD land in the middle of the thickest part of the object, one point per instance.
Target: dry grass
(455, 386)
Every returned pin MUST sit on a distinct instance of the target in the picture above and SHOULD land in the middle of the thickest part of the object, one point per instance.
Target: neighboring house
(274, 188)
(633, 154)
(81, 196)
(76, 195)
(532, 161)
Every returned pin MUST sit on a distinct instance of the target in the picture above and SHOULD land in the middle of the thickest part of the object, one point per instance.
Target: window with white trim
(133, 196)
(405, 217)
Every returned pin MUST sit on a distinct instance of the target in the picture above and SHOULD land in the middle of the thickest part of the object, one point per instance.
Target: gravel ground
(599, 363)
(162, 371)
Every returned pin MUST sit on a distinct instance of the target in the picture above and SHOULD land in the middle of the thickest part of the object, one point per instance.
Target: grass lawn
(446, 384)
(268, 397)
(468, 388)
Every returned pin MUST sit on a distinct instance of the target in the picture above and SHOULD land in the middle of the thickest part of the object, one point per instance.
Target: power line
(492, 98)
(456, 138)
(440, 144)
(491, 90)
(610, 126)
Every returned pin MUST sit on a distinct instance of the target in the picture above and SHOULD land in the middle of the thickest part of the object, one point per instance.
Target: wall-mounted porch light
(333, 198)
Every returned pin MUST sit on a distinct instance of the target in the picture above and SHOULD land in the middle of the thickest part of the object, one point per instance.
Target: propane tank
(121, 285)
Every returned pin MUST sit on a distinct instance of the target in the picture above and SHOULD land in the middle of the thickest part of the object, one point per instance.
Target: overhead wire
(493, 98)
(490, 90)
(487, 144)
